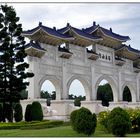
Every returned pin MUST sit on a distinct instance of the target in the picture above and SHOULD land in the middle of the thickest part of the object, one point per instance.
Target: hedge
(18, 115)
(31, 125)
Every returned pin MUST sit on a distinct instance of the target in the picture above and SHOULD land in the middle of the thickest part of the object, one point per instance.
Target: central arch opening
(104, 92)
(127, 94)
(77, 92)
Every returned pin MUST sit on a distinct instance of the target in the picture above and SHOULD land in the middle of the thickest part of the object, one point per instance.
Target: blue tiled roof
(79, 32)
(63, 30)
(50, 31)
(129, 48)
(31, 31)
(91, 29)
(107, 32)
(114, 35)
(82, 33)
(55, 32)
(34, 45)
(85, 32)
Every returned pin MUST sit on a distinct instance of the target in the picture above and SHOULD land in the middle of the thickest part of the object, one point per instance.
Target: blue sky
(123, 18)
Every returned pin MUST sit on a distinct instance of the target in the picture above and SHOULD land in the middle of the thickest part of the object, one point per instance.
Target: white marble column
(93, 95)
(64, 86)
(138, 89)
(120, 88)
(33, 88)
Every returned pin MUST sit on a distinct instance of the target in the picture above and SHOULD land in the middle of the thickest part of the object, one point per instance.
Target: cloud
(122, 18)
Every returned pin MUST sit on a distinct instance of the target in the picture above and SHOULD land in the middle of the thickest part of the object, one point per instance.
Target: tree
(12, 55)
(1, 112)
(45, 94)
(24, 94)
(127, 95)
(105, 94)
(53, 95)
(71, 96)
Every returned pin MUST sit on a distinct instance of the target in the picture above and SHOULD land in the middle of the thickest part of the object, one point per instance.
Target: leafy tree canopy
(13, 73)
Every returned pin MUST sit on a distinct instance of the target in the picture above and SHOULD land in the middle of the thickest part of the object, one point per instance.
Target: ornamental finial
(94, 23)
(40, 23)
(54, 28)
(68, 24)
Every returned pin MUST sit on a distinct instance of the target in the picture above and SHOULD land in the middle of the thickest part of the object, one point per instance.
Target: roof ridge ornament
(68, 24)
(54, 28)
(94, 23)
(40, 23)
(31, 41)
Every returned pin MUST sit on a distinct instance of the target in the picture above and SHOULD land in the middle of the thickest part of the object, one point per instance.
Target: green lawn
(61, 131)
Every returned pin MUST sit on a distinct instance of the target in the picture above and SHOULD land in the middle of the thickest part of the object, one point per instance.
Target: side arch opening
(104, 92)
(129, 92)
(112, 84)
(51, 85)
(78, 90)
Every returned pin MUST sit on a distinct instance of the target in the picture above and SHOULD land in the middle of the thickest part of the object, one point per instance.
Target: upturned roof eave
(27, 33)
(94, 30)
(121, 40)
(125, 47)
(91, 39)
(37, 49)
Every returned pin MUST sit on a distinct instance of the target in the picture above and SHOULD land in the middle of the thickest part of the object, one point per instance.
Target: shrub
(28, 115)
(1, 113)
(77, 102)
(73, 118)
(8, 111)
(18, 115)
(103, 118)
(134, 115)
(84, 121)
(119, 122)
(36, 111)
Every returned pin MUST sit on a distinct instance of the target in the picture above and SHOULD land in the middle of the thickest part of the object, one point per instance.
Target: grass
(64, 130)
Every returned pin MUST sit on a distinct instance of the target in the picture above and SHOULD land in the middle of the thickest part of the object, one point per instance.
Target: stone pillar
(120, 88)
(33, 88)
(93, 92)
(138, 89)
(64, 84)
(86, 55)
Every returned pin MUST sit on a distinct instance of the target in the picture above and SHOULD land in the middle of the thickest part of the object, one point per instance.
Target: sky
(123, 18)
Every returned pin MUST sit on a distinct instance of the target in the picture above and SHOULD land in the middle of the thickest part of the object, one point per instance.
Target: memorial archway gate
(89, 55)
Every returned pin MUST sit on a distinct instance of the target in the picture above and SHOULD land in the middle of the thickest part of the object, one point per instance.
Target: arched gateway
(89, 55)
